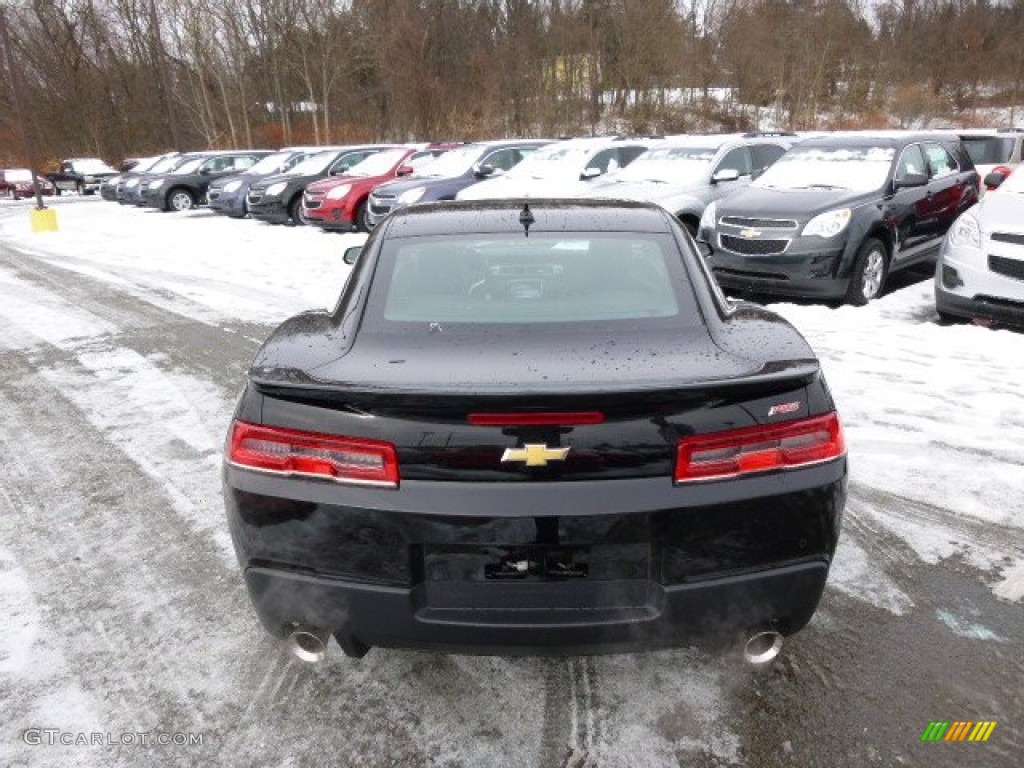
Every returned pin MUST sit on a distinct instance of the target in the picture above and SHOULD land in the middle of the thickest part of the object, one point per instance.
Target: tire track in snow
(934, 533)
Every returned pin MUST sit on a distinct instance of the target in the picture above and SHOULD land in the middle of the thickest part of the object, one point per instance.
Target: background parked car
(133, 190)
(277, 199)
(108, 189)
(227, 195)
(185, 187)
(558, 169)
(683, 174)
(17, 183)
(448, 175)
(835, 215)
(81, 174)
(340, 204)
(980, 271)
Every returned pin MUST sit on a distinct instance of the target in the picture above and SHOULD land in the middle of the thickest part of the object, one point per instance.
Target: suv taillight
(312, 454)
(721, 455)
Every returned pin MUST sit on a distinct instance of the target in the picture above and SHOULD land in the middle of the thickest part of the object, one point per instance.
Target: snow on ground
(223, 268)
(932, 414)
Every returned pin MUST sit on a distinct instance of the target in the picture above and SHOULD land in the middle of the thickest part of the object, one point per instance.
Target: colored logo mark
(958, 730)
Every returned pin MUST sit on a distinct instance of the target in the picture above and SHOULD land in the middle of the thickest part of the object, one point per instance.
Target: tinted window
(737, 159)
(607, 160)
(347, 160)
(940, 161)
(988, 150)
(911, 161)
(765, 155)
(628, 154)
(546, 278)
(503, 159)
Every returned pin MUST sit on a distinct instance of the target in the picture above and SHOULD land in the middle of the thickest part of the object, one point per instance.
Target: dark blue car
(443, 178)
(227, 195)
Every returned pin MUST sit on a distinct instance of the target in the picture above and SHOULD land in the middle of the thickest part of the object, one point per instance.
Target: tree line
(116, 78)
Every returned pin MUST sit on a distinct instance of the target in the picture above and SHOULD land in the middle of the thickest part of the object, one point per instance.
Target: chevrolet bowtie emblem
(535, 454)
(749, 233)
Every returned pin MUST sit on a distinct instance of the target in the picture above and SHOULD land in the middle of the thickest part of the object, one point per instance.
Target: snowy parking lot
(125, 337)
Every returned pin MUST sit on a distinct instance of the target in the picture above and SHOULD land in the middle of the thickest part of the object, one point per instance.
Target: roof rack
(766, 134)
(1011, 130)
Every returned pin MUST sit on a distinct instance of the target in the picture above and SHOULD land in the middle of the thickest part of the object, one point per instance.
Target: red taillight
(759, 449)
(292, 452)
(547, 419)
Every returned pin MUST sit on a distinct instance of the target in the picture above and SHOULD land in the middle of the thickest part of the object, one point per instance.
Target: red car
(339, 203)
(17, 183)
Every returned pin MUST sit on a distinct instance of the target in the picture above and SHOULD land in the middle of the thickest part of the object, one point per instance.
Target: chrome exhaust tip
(762, 647)
(309, 643)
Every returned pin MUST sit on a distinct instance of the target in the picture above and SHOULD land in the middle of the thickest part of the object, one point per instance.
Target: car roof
(884, 138)
(509, 142)
(501, 216)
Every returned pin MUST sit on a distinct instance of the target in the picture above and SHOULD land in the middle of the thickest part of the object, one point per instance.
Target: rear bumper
(583, 617)
(652, 564)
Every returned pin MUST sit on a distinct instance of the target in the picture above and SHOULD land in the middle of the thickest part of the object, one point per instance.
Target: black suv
(185, 187)
(836, 214)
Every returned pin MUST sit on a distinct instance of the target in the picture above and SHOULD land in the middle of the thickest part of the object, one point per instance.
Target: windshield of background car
(92, 166)
(314, 164)
(145, 165)
(378, 163)
(454, 162)
(857, 168)
(419, 161)
(668, 164)
(270, 163)
(988, 150)
(18, 174)
(167, 164)
(190, 166)
(480, 280)
(552, 162)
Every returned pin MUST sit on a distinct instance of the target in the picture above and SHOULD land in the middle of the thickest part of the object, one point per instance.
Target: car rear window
(544, 278)
(988, 150)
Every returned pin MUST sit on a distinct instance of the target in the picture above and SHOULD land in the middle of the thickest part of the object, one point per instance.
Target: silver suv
(684, 173)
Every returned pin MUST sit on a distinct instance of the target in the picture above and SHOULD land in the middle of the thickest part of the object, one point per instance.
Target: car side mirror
(483, 170)
(404, 170)
(590, 173)
(726, 174)
(352, 254)
(340, 170)
(910, 180)
(994, 179)
(205, 171)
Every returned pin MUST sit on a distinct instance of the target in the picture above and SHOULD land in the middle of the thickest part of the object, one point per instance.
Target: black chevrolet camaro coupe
(534, 429)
